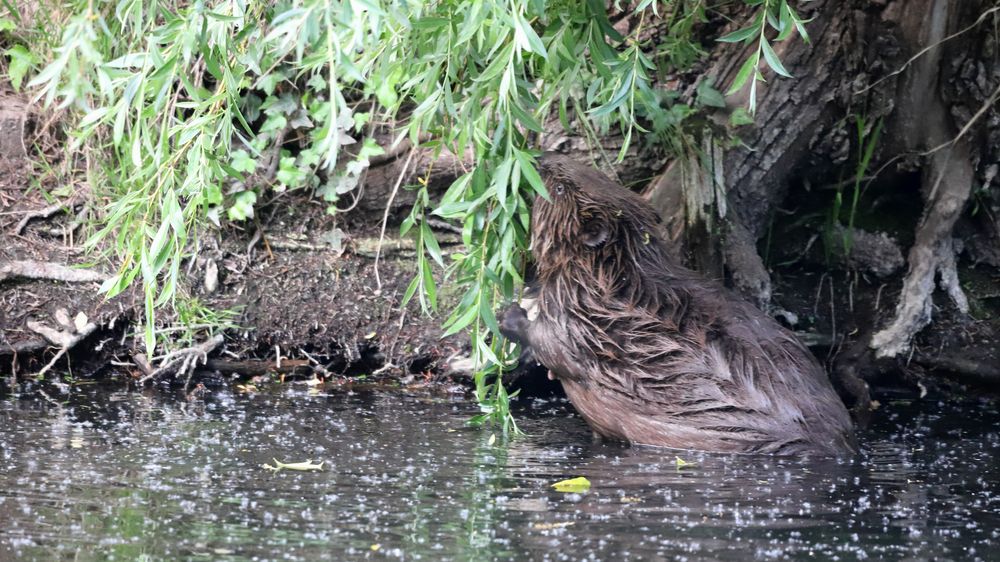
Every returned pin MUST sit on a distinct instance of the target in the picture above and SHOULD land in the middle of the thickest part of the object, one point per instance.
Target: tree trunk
(928, 70)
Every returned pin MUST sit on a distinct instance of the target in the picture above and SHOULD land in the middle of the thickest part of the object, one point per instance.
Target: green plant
(778, 15)
(191, 103)
(867, 140)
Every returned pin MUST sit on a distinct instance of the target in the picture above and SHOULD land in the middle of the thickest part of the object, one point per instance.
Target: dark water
(143, 476)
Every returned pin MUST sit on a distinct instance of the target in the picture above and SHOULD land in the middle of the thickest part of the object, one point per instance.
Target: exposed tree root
(181, 362)
(962, 367)
(932, 253)
(47, 270)
(46, 212)
(66, 340)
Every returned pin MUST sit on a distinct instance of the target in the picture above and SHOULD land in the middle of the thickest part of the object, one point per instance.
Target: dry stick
(385, 216)
(47, 270)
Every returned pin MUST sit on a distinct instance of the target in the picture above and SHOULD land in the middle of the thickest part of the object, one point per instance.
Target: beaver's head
(590, 222)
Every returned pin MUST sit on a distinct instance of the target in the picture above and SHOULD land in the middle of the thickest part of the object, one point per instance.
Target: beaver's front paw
(514, 324)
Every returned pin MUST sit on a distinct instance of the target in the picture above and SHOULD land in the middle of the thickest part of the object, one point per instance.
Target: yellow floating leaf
(578, 484)
(681, 463)
(375, 547)
(493, 439)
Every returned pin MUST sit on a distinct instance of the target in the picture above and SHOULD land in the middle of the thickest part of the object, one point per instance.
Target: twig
(385, 216)
(47, 270)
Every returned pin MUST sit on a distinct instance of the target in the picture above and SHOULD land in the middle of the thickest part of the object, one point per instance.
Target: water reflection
(121, 475)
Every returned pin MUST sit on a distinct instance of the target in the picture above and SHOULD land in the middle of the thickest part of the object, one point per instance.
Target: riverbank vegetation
(388, 150)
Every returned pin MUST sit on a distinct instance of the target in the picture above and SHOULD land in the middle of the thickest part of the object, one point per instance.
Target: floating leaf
(681, 463)
(549, 526)
(574, 485)
(304, 466)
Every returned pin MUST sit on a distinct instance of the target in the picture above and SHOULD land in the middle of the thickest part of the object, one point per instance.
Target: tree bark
(927, 69)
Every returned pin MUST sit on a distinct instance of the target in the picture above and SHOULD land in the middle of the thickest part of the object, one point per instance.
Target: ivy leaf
(709, 96)
(242, 162)
(242, 207)
(21, 61)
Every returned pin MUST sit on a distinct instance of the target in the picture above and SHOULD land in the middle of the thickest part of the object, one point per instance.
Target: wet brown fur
(652, 353)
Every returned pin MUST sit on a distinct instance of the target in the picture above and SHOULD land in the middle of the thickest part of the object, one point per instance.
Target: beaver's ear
(595, 233)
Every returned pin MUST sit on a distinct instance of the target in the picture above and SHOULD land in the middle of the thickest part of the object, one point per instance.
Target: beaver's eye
(560, 189)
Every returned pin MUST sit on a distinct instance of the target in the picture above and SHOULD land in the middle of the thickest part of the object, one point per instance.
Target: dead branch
(257, 367)
(49, 271)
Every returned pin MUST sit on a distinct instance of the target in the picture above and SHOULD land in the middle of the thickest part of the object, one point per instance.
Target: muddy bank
(298, 291)
(295, 286)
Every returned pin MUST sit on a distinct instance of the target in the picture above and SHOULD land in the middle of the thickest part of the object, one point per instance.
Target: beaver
(652, 353)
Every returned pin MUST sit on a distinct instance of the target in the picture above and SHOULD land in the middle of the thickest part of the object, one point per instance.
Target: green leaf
(681, 463)
(772, 59)
(242, 207)
(242, 162)
(461, 322)
(740, 117)
(576, 485)
(744, 34)
(21, 61)
(785, 21)
(741, 77)
(529, 173)
(430, 288)
(430, 243)
(411, 290)
(709, 96)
